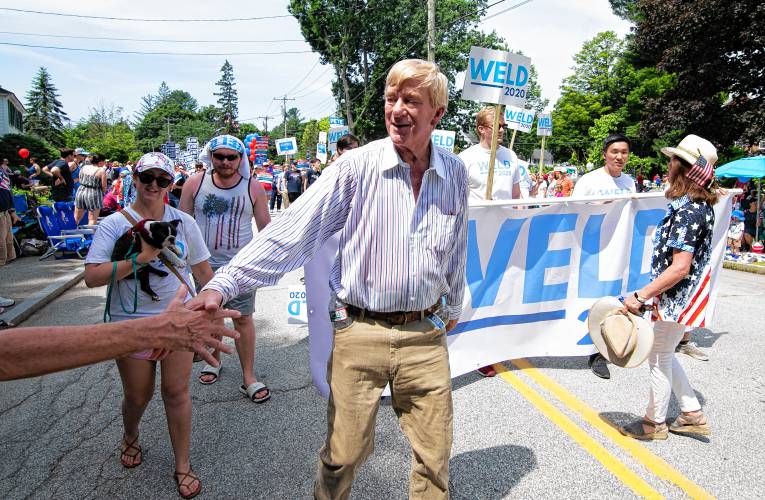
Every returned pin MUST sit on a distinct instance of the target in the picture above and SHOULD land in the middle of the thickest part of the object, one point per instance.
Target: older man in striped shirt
(400, 207)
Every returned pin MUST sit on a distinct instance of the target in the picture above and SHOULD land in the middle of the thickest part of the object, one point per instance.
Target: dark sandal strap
(130, 446)
(184, 476)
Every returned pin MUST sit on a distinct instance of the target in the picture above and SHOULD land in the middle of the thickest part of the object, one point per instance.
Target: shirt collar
(680, 202)
(391, 158)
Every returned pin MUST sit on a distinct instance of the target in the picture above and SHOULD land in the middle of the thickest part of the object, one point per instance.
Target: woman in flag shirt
(679, 288)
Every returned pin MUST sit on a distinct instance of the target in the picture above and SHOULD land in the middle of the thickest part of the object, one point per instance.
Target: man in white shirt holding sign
(506, 183)
(607, 181)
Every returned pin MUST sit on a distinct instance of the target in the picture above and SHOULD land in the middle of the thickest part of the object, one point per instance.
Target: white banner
(519, 119)
(286, 146)
(531, 277)
(496, 76)
(544, 124)
(444, 139)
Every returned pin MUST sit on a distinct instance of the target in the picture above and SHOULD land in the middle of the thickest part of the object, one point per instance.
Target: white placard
(334, 134)
(297, 310)
(321, 152)
(519, 118)
(496, 76)
(544, 124)
(286, 146)
(444, 139)
(323, 137)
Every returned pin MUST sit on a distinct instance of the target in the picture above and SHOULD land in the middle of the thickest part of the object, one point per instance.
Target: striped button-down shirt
(395, 254)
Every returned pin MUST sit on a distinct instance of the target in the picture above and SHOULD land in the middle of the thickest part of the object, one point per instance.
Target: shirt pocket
(441, 232)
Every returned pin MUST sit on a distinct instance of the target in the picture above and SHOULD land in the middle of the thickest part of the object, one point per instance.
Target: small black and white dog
(158, 234)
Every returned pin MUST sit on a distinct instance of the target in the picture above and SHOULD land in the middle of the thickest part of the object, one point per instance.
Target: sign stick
(512, 139)
(498, 110)
(542, 155)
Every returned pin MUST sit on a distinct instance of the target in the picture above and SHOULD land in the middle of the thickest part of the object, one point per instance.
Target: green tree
(362, 39)
(45, 114)
(720, 85)
(106, 132)
(40, 149)
(228, 101)
(309, 138)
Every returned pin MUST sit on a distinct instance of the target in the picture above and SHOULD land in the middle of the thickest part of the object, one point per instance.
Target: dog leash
(162, 258)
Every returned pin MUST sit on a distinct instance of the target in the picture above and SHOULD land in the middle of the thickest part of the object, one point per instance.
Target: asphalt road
(530, 433)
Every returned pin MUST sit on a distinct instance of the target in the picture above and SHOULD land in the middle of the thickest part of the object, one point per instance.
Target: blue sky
(548, 31)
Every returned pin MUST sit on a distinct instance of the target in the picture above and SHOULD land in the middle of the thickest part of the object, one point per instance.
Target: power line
(206, 20)
(158, 53)
(304, 78)
(168, 40)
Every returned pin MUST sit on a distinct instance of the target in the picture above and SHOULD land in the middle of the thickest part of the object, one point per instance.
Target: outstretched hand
(197, 329)
(208, 300)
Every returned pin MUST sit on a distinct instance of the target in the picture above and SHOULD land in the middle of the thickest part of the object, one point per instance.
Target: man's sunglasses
(221, 157)
(147, 178)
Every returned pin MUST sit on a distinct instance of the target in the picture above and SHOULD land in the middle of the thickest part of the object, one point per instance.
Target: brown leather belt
(394, 318)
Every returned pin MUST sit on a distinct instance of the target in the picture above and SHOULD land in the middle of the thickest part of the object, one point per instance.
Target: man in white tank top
(223, 200)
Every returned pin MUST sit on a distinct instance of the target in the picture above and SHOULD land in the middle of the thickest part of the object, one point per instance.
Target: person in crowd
(81, 157)
(542, 185)
(154, 176)
(8, 216)
(564, 186)
(63, 183)
(345, 144)
(224, 202)
(39, 350)
(608, 180)
(680, 262)
(90, 195)
(552, 184)
(33, 171)
(751, 215)
(736, 232)
(506, 183)
(175, 194)
(312, 173)
(395, 300)
(292, 183)
(19, 180)
(276, 195)
(111, 202)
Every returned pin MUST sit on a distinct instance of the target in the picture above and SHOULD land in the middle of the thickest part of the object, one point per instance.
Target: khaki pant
(7, 251)
(365, 357)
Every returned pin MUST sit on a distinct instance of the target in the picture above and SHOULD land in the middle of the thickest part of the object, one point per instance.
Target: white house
(11, 113)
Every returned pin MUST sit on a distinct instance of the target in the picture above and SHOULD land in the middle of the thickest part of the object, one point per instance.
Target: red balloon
(252, 157)
(24, 152)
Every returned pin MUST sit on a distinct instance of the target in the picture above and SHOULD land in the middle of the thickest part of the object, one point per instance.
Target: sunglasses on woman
(147, 178)
(221, 157)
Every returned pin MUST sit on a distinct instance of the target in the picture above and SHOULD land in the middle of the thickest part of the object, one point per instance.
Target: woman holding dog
(125, 299)
(680, 272)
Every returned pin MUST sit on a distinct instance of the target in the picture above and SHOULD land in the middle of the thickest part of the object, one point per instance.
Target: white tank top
(224, 215)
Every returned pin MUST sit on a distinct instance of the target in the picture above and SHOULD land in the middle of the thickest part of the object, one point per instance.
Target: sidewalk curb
(738, 266)
(15, 315)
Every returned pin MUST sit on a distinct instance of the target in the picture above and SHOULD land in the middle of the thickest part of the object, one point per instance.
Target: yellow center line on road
(652, 462)
(610, 462)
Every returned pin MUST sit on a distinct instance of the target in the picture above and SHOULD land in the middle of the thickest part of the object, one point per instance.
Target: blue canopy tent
(752, 167)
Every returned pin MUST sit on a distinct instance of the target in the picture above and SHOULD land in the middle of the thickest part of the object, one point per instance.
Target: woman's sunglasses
(221, 157)
(147, 178)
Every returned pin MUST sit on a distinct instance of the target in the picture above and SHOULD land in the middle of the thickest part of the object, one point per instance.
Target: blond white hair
(428, 75)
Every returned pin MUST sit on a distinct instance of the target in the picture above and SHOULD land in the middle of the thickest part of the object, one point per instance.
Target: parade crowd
(399, 206)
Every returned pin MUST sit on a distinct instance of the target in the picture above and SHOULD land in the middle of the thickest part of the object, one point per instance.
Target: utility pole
(265, 121)
(284, 100)
(432, 30)
(168, 129)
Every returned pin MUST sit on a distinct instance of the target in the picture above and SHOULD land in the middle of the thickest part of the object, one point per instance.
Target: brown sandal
(138, 455)
(182, 482)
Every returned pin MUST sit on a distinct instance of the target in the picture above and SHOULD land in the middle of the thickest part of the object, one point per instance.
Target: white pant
(667, 375)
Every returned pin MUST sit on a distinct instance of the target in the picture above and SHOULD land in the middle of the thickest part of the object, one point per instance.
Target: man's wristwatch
(639, 298)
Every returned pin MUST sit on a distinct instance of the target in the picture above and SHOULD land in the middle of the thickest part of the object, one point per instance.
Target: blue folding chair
(65, 216)
(22, 212)
(66, 241)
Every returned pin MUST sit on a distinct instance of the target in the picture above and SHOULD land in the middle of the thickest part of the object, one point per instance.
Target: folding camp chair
(65, 216)
(27, 217)
(67, 241)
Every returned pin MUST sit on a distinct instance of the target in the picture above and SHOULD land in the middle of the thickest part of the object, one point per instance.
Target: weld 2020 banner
(531, 276)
